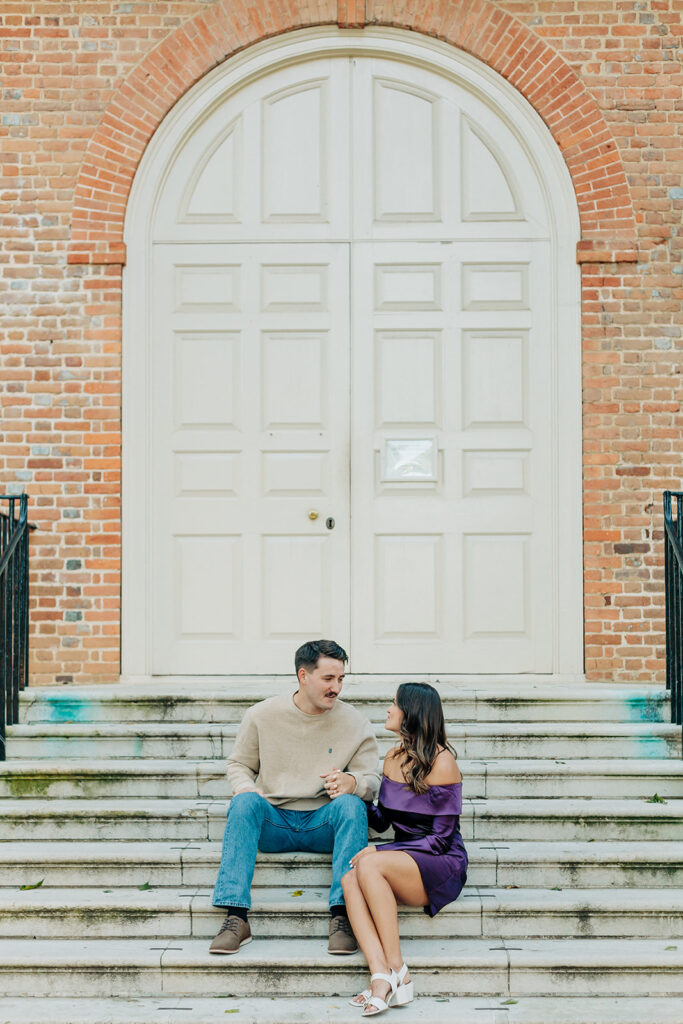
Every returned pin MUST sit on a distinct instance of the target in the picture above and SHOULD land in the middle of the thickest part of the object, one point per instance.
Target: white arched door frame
(544, 155)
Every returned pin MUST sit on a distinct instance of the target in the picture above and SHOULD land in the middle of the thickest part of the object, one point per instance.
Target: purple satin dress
(427, 826)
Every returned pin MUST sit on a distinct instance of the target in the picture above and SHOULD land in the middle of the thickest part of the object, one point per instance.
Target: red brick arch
(608, 231)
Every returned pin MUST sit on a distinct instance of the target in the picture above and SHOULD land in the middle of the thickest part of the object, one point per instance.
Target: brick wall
(606, 76)
(629, 57)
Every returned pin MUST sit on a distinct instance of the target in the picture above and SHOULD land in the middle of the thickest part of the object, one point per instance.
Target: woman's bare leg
(383, 880)
(363, 925)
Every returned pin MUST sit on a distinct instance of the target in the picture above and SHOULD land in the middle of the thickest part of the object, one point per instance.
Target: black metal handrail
(673, 588)
(13, 609)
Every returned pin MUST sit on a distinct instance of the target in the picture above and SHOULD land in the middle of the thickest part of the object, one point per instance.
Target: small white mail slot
(410, 459)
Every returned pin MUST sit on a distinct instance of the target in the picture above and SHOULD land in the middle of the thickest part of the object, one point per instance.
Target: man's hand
(362, 853)
(337, 782)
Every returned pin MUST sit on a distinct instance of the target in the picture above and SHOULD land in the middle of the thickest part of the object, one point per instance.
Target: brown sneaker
(342, 939)
(234, 933)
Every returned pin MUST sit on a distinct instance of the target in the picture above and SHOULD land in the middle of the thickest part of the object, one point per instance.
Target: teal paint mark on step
(68, 709)
(655, 747)
(646, 708)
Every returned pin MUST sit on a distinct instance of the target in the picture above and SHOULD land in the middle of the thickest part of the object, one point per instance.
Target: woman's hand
(362, 853)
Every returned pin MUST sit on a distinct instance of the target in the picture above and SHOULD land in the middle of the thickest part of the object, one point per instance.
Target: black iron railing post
(17, 600)
(24, 608)
(673, 590)
(4, 696)
(13, 610)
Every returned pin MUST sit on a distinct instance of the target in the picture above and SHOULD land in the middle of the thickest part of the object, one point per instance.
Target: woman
(426, 865)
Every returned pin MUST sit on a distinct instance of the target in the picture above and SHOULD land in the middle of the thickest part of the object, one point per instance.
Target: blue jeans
(341, 826)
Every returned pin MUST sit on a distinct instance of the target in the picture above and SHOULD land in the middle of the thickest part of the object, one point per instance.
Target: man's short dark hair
(308, 654)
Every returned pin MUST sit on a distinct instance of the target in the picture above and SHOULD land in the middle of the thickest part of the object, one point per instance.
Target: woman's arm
(377, 816)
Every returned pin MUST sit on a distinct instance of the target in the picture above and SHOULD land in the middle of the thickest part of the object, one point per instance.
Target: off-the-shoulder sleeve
(378, 819)
(438, 841)
(442, 800)
(440, 806)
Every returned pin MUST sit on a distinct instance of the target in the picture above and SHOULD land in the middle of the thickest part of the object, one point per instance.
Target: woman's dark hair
(423, 732)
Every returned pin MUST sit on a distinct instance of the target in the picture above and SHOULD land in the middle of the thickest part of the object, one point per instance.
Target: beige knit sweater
(283, 751)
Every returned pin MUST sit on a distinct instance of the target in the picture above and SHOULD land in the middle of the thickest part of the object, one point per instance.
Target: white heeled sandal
(361, 999)
(403, 993)
(380, 1005)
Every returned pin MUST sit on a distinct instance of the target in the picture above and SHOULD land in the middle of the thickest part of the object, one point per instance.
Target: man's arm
(244, 761)
(364, 766)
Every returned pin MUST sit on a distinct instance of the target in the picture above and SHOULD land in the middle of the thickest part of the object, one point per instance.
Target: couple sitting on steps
(304, 777)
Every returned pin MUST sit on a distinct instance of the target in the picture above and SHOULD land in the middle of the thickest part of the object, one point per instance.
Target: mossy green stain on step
(28, 785)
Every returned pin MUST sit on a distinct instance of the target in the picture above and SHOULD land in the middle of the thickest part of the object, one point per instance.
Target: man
(301, 767)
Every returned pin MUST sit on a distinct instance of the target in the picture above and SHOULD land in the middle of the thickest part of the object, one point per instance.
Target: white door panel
(249, 415)
(453, 556)
(271, 157)
(440, 162)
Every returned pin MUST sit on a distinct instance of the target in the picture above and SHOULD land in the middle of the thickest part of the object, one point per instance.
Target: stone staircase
(112, 809)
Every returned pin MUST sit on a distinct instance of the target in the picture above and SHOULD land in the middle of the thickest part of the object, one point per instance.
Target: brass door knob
(313, 514)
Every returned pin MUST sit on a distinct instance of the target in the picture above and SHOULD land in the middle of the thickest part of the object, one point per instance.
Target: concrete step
(495, 819)
(110, 864)
(225, 700)
(473, 741)
(286, 913)
(29, 778)
(482, 968)
(333, 1010)
(611, 778)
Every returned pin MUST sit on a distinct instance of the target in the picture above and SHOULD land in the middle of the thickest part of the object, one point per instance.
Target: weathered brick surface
(478, 27)
(86, 83)
(629, 58)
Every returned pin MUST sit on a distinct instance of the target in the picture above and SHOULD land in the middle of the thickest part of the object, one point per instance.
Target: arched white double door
(353, 422)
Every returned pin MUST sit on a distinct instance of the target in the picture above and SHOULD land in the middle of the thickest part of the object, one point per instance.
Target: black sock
(339, 910)
(238, 912)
